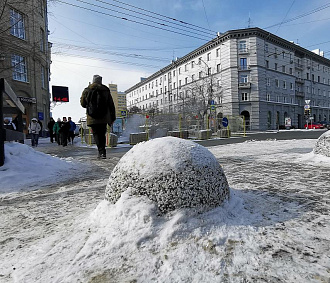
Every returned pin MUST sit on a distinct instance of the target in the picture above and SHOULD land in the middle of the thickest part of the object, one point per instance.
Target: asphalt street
(117, 152)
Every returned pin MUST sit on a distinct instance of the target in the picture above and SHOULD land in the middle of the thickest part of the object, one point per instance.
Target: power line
(173, 19)
(207, 20)
(301, 16)
(102, 51)
(140, 18)
(106, 60)
(130, 20)
(144, 14)
(285, 16)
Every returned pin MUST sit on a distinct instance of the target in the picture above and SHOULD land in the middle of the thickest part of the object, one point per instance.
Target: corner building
(25, 55)
(248, 72)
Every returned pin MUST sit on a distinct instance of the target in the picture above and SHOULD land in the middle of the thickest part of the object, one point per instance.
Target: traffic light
(307, 112)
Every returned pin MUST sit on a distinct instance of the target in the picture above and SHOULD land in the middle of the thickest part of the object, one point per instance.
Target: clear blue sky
(86, 42)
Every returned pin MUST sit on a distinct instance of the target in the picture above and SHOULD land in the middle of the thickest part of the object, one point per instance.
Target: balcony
(244, 68)
(244, 85)
(298, 66)
(300, 80)
(300, 94)
(243, 51)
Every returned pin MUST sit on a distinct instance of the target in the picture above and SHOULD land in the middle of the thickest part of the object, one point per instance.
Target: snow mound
(172, 172)
(322, 145)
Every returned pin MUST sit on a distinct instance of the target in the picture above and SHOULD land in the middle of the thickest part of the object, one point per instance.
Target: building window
(200, 74)
(192, 64)
(186, 80)
(284, 84)
(242, 46)
(218, 68)
(268, 97)
(43, 82)
(17, 27)
(42, 40)
(186, 67)
(290, 71)
(275, 67)
(245, 96)
(243, 63)
(192, 77)
(283, 68)
(267, 64)
(199, 60)
(243, 79)
(179, 71)
(19, 68)
(173, 73)
(179, 83)
(291, 86)
(208, 56)
(277, 83)
(218, 52)
(209, 72)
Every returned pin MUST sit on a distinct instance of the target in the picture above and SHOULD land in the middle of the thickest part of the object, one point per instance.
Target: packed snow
(274, 227)
(173, 172)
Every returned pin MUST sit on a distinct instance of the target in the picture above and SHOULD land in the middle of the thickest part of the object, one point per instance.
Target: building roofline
(238, 33)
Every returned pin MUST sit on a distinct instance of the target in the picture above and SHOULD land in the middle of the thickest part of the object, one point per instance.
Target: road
(117, 152)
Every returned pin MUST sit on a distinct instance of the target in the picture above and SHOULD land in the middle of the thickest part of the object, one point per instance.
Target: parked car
(325, 124)
(313, 126)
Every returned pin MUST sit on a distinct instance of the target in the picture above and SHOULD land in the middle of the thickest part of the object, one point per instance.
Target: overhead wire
(153, 17)
(167, 17)
(130, 20)
(302, 15)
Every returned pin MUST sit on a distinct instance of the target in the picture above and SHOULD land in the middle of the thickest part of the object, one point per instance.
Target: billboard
(60, 93)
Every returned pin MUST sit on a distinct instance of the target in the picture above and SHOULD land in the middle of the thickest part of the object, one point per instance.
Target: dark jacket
(64, 127)
(110, 116)
(50, 125)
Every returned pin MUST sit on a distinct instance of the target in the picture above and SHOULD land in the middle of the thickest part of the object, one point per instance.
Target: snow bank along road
(284, 187)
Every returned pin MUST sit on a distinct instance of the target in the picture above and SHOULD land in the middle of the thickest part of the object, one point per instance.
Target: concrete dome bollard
(173, 172)
(322, 145)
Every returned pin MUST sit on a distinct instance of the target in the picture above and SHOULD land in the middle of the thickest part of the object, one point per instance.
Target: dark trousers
(34, 139)
(99, 131)
(51, 135)
(64, 136)
(71, 136)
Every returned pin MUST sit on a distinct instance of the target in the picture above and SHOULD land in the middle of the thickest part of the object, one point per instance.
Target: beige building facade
(247, 72)
(119, 99)
(25, 55)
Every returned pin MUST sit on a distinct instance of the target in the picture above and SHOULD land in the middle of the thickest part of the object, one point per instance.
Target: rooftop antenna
(249, 21)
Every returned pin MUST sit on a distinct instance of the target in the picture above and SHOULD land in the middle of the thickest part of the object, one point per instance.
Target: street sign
(307, 101)
(212, 107)
(123, 113)
(224, 122)
(212, 102)
(307, 106)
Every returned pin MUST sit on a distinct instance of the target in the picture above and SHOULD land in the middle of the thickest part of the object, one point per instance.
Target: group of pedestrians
(62, 131)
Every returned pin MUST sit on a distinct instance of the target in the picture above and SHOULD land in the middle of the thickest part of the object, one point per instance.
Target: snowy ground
(56, 227)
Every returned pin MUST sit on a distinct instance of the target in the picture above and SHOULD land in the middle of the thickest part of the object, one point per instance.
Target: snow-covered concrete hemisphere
(322, 145)
(173, 172)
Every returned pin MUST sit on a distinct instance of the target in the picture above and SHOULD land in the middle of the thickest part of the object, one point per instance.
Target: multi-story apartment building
(25, 54)
(247, 72)
(119, 99)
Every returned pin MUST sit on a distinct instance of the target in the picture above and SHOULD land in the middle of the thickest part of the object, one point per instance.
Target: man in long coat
(99, 126)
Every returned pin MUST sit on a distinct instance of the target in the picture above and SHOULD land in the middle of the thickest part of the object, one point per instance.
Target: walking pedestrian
(64, 131)
(71, 130)
(50, 127)
(56, 129)
(34, 129)
(100, 111)
(8, 124)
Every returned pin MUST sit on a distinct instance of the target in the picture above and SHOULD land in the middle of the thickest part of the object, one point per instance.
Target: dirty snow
(274, 228)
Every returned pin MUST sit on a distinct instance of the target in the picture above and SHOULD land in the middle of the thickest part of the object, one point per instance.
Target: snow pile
(25, 168)
(172, 172)
(322, 145)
